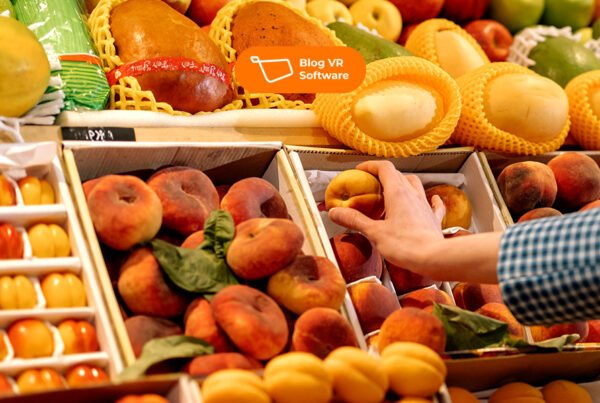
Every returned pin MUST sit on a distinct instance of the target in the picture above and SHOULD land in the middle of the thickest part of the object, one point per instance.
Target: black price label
(98, 133)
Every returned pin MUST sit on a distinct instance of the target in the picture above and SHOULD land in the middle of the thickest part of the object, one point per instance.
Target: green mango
(562, 59)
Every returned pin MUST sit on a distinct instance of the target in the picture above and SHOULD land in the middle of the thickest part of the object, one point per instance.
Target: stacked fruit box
(54, 328)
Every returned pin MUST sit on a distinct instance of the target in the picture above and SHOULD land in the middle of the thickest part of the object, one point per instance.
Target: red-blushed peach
(425, 297)
(373, 304)
(194, 240)
(541, 212)
(187, 196)
(412, 324)
(207, 364)
(356, 256)
(458, 205)
(31, 338)
(144, 289)
(501, 312)
(263, 246)
(141, 329)
(591, 205)
(5, 386)
(78, 336)
(405, 280)
(319, 331)
(527, 185)
(308, 282)
(356, 189)
(540, 333)
(199, 322)
(472, 296)
(38, 380)
(85, 375)
(593, 332)
(578, 179)
(253, 198)
(146, 398)
(89, 185)
(125, 211)
(251, 320)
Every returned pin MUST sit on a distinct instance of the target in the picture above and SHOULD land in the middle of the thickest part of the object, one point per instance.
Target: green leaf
(556, 343)
(162, 349)
(219, 230)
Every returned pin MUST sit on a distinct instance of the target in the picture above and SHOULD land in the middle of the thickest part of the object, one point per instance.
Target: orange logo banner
(300, 69)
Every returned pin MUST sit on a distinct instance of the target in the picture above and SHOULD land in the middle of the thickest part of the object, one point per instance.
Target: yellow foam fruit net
(474, 129)
(585, 122)
(220, 32)
(127, 93)
(336, 116)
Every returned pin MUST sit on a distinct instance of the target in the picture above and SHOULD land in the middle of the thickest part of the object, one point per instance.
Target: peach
(78, 337)
(356, 256)
(141, 329)
(125, 211)
(472, 296)
(187, 196)
(253, 198)
(541, 212)
(31, 338)
(194, 240)
(308, 282)
(11, 242)
(458, 205)
(593, 332)
(527, 185)
(144, 289)
(36, 191)
(373, 304)
(89, 185)
(263, 246)
(63, 291)
(425, 297)
(460, 395)
(84, 375)
(207, 364)
(591, 205)
(412, 324)
(200, 323)
(8, 196)
(578, 179)
(5, 385)
(405, 280)
(38, 380)
(146, 398)
(252, 320)
(540, 333)
(356, 189)
(565, 391)
(516, 392)
(501, 312)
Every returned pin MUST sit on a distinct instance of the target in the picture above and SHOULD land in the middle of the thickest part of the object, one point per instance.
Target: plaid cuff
(549, 269)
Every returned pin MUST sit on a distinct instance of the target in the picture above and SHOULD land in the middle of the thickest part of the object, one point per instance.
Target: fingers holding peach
(358, 190)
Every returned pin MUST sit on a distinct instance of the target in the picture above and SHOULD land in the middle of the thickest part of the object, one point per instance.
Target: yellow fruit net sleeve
(127, 93)
(585, 122)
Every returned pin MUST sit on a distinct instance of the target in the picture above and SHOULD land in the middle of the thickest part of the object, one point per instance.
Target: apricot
(253, 198)
(527, 185)
(84, 375)
(141, 329)
(38, 380)
(405, 280)
(540, 333)
(78, 337)
(63, 291)
(541, 212)
(234, 385)
(373, 304)
(458, 205)
(565, 391)
(200, 322)
(147, 398)
(578, 179)
(472, 296)
(31, 338)
(516, 391)
(356, 256)
(207, 364)
(425, 297)
(356, 189)
(460, 395)
(414, 325)
(501, 312)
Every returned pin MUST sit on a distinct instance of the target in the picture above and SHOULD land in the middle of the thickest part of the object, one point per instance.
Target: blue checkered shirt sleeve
(549, 269)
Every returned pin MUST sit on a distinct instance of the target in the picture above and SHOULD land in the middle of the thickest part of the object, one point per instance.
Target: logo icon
(282, 71)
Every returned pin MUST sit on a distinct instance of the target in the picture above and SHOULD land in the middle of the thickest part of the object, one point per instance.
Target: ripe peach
(356, 256)
(320, 331)
(89, 185)
(11, 242)
(527, 185)
(308, 282)
(78, 337)
(5, 385)
(565, 391)
(358, 190)
(252, 320)
(516, 392)
(425, 297)
(84, 375)
(31, 338)
(263, 246)
(38, 380)
(458, 205)
(405, 280)
(591, 205)
(36, 191)
(253, 198)
(125, 211)
(412, 324)
(200, 322)
(501, 312)
(187, 196)
(207, 364)
(460, 395)
(144, 289)
(373, 304)
(594, 332)
(540, 333)
(578, 179)
(63, 291)
(141, 329)
(472, 296)
(194, 240)
(8, 196)
(147, 398)
(541, 212)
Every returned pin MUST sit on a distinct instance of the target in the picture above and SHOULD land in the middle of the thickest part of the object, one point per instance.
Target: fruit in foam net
(24, 68)
(319, 331)
(584, 108)
(541, 333)
(207, 364)
(516, 14)
(36, 191)
(414, 325)
(516, 391)
(308, 282)
(472, 296)
(493, 37)
(527, 185)
(356, 256)
(458, 206)
(141, 329)
(501, 312)
(38, 380)
(48, 240)
(11, 242)
(329, 11)
(565, 391)
(380, 15)
(8, 196)
(63, 291)
(78, 337)
(356, 189)
(541, 212)
(373, 304)
(84, 375)
(31, 338)
(249, 387)
(253, 198)
(17, 293)
(200, 322)
(263, 246)
(577, 178)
